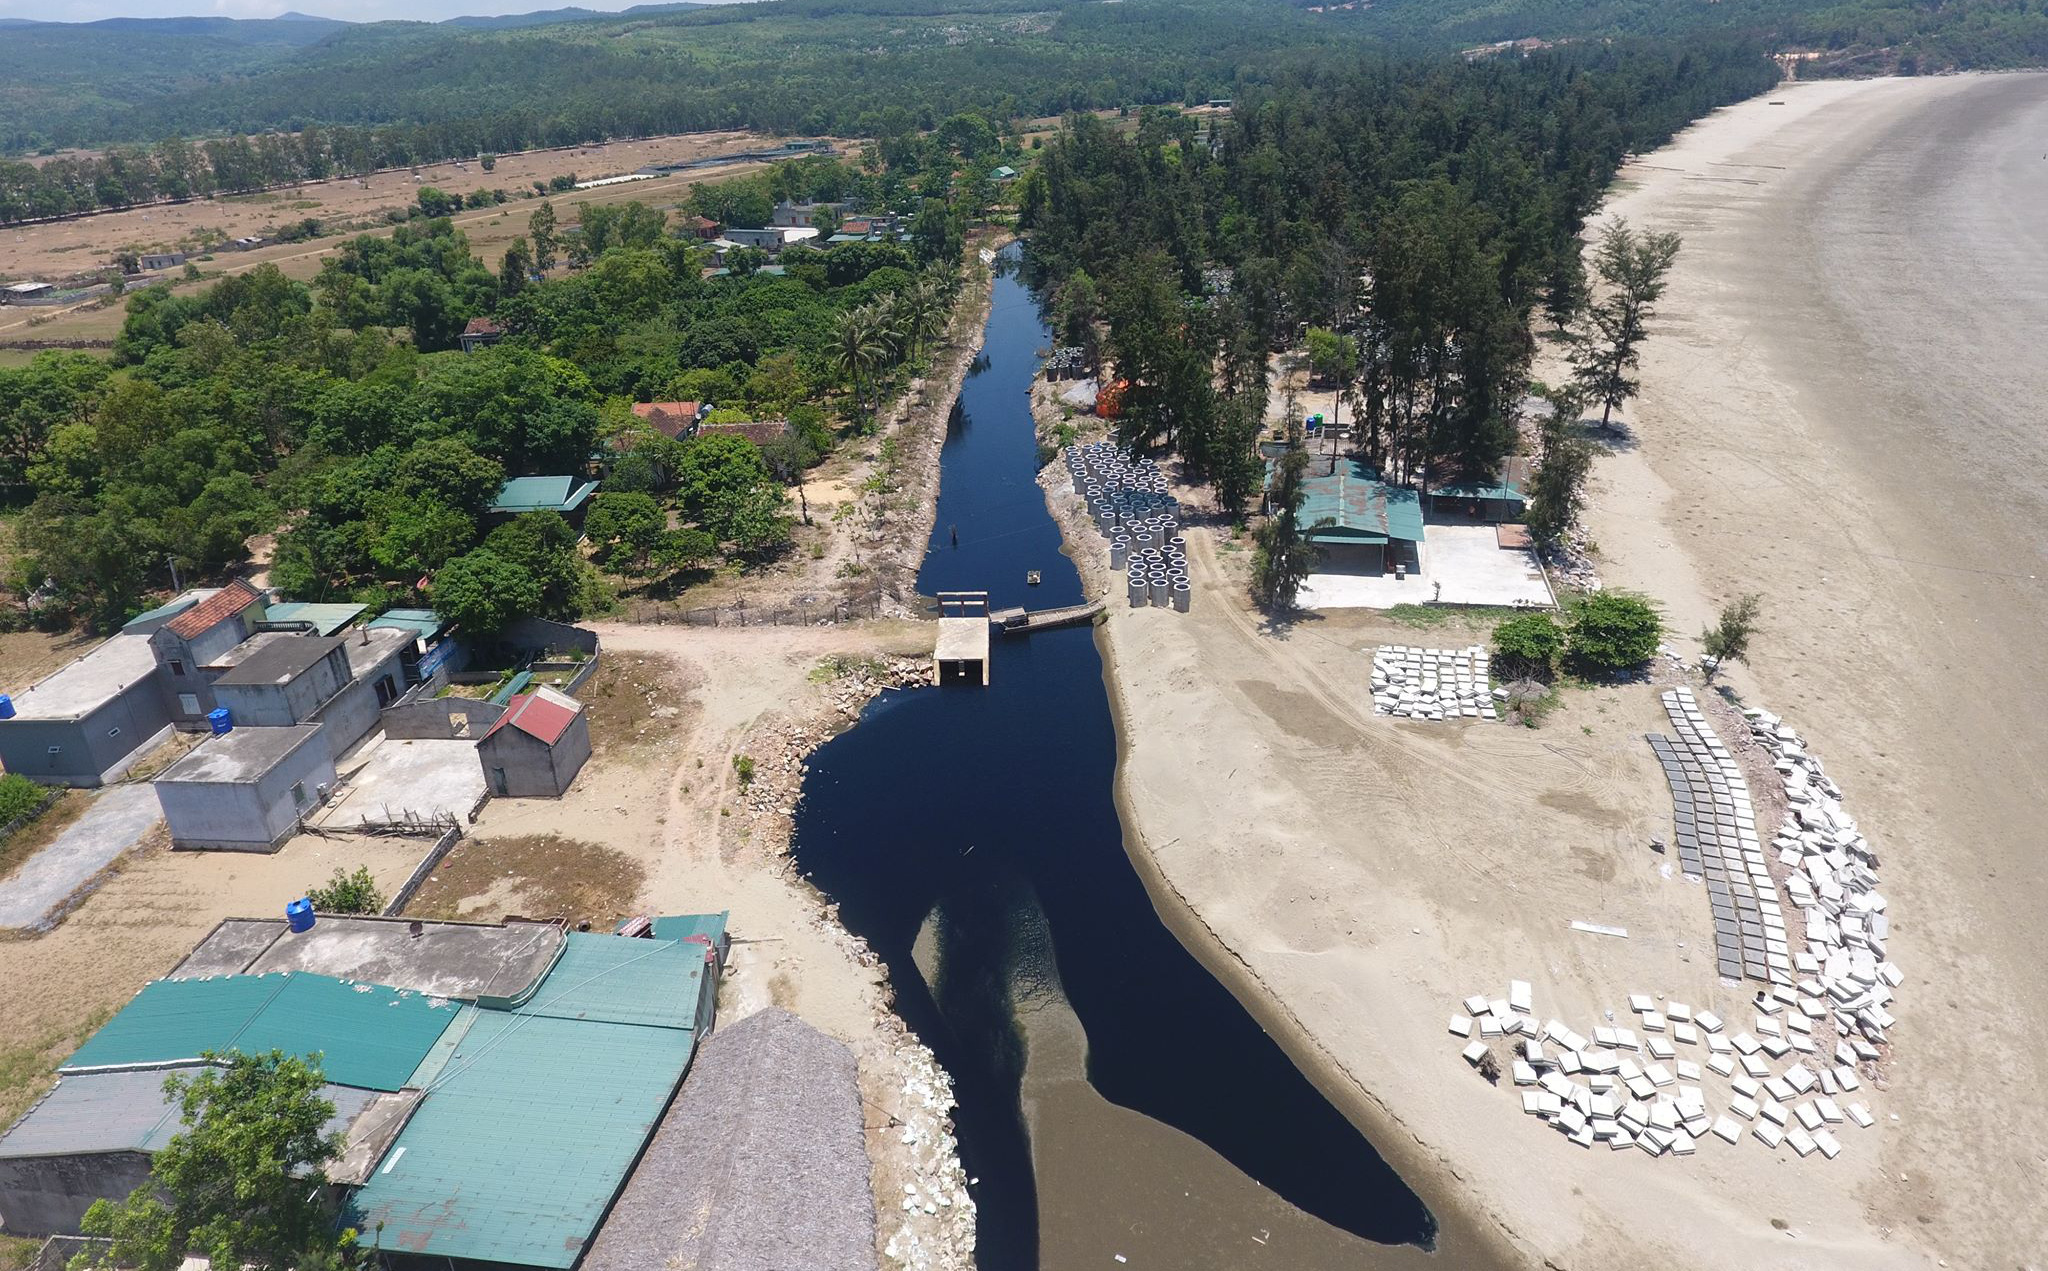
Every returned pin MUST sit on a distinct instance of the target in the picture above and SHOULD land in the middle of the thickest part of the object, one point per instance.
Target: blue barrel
(298, 914)
(6, 706)
(221, 721)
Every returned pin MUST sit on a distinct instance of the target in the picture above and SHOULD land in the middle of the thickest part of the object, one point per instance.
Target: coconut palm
(858, 348)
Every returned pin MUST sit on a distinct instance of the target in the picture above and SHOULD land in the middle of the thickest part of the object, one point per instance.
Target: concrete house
(152, 261)
(537, 746)
(246, 790)
(195, 642)
(337, 682)
(85, 724)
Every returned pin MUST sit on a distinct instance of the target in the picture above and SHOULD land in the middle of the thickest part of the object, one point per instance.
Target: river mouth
(1114, 1097)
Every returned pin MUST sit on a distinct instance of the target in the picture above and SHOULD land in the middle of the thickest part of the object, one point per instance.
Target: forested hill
(863, 67)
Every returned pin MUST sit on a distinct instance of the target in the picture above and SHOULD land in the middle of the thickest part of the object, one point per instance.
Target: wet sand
(1842, 410)
(1846, 409)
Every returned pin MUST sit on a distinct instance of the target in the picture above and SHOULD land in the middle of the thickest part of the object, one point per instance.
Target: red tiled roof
(223, 604)
(670, 419)
(542, 714)
(482, 326)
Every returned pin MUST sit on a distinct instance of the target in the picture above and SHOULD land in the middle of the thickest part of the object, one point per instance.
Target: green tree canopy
(483, 591)
(241, 1183)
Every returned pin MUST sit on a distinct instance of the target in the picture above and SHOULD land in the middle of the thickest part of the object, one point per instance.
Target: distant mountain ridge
(475, 22)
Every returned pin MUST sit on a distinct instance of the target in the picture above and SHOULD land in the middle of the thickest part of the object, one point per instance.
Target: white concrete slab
(1467, 560)
(394, 780)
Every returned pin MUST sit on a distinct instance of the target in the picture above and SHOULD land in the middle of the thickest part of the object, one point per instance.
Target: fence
(796, 613)
(403, 896)
(7, 830)
(58, 1251)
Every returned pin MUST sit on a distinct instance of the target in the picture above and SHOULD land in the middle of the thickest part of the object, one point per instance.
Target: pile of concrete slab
(1715, 826)
(1434, 684)
(1646, 1085)
(1833, 882)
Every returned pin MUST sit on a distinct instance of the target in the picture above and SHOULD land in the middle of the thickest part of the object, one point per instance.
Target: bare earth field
(1841, 410)
(89, 243)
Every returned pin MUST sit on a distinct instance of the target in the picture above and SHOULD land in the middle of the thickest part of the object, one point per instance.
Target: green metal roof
(683, 926)
(169, 609)
(367, 1035)
(421, 622)
(326, 618)
(1359, 507)
(532, 1122)
(542, 494)
(1478, 490)
(622, 981)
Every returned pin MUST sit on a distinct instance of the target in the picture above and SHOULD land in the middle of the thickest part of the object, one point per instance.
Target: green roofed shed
(367, 1035)
(425, 624)
(542, 494)
(1358, 506)
(326, 618)
(532, 1121)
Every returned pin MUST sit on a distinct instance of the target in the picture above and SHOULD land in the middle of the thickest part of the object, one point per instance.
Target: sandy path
(1843, 410)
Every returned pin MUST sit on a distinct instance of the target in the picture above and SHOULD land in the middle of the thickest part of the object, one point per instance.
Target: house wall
(48, 1195)
(248, 816)
(353, 710)
(92, 749)
(532, 769)
(282, 705)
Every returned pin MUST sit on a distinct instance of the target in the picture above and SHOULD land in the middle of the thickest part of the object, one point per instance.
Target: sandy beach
(1840, 410)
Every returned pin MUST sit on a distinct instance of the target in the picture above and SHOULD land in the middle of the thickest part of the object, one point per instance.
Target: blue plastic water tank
(6, 706)
(220, 719)
(298, 914)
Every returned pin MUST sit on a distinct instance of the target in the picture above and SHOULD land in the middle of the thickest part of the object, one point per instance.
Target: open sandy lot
(1841, 410)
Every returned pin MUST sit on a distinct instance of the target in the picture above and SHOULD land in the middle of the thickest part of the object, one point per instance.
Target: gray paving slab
(119, 815)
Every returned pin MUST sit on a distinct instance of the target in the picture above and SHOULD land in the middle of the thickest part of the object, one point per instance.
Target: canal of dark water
(1114, 1096)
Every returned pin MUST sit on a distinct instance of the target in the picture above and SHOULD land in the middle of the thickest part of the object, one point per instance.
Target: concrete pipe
(1117, 552)
(1140, 593)
(1181, 592)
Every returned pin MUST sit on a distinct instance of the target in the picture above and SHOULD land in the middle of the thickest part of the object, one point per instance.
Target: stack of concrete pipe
(1131, 507)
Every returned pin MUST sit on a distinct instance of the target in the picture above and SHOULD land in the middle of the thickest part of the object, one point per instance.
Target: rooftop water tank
(6, 706)
(220, 720)
(298, 914)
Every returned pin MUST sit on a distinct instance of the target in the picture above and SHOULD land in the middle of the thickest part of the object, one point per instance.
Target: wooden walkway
(1025, 621)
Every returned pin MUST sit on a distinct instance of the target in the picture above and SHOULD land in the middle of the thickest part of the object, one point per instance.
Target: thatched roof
(760, 1165)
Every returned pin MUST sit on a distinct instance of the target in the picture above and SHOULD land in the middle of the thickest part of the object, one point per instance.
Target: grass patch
(16, 1251)
(1433, 616)
(37, 834)
(539, 875)
(25, 1070)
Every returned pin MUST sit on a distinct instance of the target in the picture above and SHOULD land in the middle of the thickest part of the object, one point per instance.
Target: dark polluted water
(1113, 1095)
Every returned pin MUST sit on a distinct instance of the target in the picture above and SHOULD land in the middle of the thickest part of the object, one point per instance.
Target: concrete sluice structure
(1128, 501)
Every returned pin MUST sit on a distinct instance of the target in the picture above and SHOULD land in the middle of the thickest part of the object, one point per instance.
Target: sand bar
(1841, 410)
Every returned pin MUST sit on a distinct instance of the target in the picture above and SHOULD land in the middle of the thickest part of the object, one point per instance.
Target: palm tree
(857, 349)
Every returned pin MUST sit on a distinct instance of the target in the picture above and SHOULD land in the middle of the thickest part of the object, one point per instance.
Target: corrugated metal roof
(621, 981)
(524, 1139)
(544, 714)
(542, 494)
(367, 1035)
(682, 926)
(326, 619)
(424, 623)
(126, 1112)
(1354, 499)
(168, 609)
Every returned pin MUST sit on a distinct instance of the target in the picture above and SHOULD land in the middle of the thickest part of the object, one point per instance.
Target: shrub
(1613, 632)
(348, 893)
(1527, 646)
(744, 766)
(18, 797)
